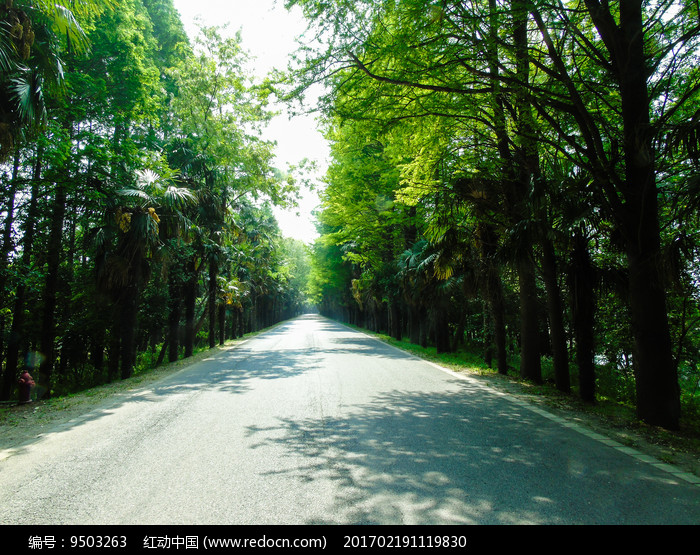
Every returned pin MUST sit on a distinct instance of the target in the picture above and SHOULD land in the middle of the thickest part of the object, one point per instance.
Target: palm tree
(413, 279)
(33, 36)
(432, 277)
(136, 216)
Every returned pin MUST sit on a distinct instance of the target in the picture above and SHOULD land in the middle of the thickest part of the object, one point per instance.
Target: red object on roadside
(26, 382)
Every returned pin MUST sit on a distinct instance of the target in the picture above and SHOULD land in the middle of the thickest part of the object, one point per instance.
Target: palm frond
(179, 197)
(26, 87)
(8, 51)
(67, 25)
(134, 192)
(81, 8)
(64, 17)
(146, 178)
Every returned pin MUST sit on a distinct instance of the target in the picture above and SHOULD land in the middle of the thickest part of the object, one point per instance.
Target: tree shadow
(231, 371)
(467, 458)
(360, 344)
(455, 454)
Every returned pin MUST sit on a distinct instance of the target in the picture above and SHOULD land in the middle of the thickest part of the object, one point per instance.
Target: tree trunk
(9, 223)
(7, 247)
(488, 336)
(583, 310)
(113, 347)
(161, 354)
(530, 366)
(423, 327)
(557, 333)
(498, 313)
(127, 331)
(526, 169)
(395, 320)
(414, 324)
(658, 391)
(17, 327)
(190, 291)
(97, 349)
(238, 323)
(48, 325)
(494, 293)
(222, 324)
(71, 350)
(213, 273)
(253, 312)
(442, 332)
(174, 314)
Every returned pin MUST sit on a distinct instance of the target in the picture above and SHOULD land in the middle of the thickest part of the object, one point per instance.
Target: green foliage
(489, 188)
(513, 133)
(151, 163)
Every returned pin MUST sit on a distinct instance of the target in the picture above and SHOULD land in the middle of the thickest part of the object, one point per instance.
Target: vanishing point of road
(315, 423)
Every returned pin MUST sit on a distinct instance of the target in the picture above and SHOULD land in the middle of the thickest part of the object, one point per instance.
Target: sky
(268, 33)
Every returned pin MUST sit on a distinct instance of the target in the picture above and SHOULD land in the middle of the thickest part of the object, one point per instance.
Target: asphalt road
(314, 423)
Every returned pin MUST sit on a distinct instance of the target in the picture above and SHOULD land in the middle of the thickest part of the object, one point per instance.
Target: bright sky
(268, 32)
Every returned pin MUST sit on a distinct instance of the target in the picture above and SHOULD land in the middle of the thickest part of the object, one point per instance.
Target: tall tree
(33, 34)
(607, 81)
(219, 114)
(641, 66)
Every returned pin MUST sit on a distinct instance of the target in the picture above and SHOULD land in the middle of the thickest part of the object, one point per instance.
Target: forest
(516, 178)
(136, 194)
(520, 178)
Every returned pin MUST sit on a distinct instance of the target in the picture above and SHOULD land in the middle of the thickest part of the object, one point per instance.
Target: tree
(598, 84)
(32, 35)
(646, 73)
(218, 114)
(103, 247)
(138, 238)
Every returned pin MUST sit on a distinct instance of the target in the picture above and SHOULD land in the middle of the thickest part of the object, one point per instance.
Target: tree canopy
(137, 194)
(544, 148)
(517, 178)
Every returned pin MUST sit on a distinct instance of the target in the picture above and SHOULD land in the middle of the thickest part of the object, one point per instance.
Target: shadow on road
(455, 454)
(468, 458)
(229, 370)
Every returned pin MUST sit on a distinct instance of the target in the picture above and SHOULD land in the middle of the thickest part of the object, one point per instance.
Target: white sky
(268, 32)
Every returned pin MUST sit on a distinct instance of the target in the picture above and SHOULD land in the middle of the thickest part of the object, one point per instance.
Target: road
(315, 423)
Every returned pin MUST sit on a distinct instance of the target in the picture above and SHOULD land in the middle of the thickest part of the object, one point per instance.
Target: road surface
(314, 423)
